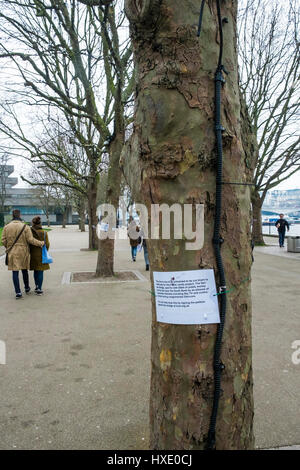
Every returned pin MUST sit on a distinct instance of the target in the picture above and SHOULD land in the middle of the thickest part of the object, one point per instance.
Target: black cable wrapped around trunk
(217, 240)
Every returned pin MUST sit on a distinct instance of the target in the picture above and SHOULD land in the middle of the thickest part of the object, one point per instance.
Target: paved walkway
(273, 249)
(78, 358)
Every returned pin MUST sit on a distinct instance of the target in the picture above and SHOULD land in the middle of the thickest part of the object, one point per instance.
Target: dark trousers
(281, 238)
(146, 256)
(38, 278)
(15, 276)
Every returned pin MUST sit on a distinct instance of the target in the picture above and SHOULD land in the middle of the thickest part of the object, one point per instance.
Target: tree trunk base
(105, 263)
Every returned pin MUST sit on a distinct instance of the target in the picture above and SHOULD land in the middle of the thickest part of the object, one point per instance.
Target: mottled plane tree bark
(171, 158)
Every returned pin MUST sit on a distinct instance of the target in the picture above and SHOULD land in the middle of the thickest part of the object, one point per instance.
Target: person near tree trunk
(281, 224)
(16, 238)
(36, 264)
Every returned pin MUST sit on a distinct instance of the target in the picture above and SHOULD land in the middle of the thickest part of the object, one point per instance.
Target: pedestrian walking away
(134, 237)
(17, 238)
(281, 224)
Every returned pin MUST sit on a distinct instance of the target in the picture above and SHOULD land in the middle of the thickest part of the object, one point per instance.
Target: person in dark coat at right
(281, 224)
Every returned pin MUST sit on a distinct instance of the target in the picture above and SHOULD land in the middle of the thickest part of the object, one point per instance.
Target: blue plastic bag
(46, 258)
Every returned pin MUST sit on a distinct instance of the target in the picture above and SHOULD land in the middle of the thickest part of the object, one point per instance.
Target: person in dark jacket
(36, 264)
(134, 237)
(281, 224)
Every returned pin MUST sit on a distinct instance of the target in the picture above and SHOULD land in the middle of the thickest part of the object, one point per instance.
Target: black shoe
(147, 267)
(27, 290)
(19, 296)
(133, 259)
(38, 292)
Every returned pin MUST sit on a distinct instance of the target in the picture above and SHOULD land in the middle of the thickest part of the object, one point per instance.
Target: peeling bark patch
(203, 386)
(165, 359)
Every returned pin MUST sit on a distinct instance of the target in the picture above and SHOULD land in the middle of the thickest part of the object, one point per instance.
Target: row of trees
(70, 64)
(49, 194)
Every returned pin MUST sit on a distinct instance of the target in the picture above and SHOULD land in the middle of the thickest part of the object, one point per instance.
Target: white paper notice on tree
(186, 297)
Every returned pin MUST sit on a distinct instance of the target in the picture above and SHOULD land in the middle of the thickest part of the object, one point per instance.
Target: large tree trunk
(257, 235)
(64, 216)
(82, 223)
(170, 159)
(105, 261)
(92, 213)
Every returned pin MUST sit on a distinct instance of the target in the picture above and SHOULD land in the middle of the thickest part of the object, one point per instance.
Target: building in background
(289, 198)
(285, 201)
(28, 201)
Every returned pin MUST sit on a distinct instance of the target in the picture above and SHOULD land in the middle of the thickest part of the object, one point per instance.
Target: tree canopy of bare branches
(68, 60)
(269, 81)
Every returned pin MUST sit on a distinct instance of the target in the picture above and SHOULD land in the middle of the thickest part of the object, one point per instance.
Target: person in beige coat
(19, 254)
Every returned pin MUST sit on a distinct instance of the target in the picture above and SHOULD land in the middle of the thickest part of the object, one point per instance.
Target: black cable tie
(219, 366)
(219, 75)
(218, 241)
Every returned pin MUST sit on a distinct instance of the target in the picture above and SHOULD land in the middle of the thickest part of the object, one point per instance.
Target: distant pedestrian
(36, 264)
(134, 237)
(281, 224)
(16, 237)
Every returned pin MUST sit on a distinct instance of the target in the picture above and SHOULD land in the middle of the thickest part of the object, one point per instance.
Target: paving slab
(272, 248)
